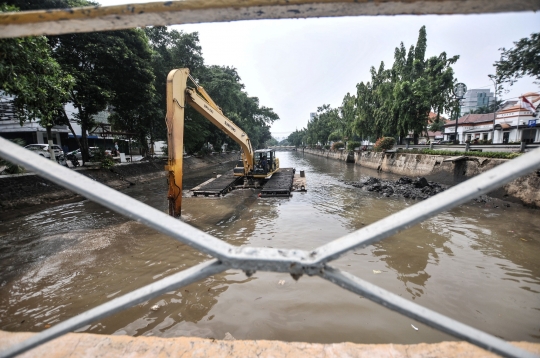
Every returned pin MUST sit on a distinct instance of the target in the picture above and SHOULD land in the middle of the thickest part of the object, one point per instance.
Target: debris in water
(376, 271)
(154, 307)
(47, 326)
(258, 298)
(281, 282)
(416, 329)
(523, 239)
(228, 337)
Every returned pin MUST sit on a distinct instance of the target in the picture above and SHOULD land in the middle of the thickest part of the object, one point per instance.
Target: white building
(470, 127)
(30, 132)
(512, 123)
(476, 98)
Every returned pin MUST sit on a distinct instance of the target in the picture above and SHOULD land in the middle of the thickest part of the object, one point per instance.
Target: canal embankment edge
(442, 169)
(94, 345)
(26, 193)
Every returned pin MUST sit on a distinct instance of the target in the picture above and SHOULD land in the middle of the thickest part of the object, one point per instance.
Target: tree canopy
(396, 102)
(124, 74)
(521, 60)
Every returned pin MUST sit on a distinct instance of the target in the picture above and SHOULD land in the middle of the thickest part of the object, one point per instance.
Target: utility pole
(493, 78)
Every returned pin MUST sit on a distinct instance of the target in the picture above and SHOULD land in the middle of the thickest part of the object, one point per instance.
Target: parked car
(43, 150)
(92, 151)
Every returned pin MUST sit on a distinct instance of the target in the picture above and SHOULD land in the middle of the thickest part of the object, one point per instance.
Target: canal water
(478, 264)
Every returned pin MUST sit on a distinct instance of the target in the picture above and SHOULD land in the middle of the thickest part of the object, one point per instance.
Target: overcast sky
(297, 65)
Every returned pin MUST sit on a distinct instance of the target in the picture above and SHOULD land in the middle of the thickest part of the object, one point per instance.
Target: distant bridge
(283, 148)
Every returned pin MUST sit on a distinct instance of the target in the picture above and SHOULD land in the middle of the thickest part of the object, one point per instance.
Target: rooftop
(473, 119)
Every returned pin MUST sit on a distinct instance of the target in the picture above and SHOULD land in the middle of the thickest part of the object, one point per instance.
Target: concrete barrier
(94, 345)
(440, 169)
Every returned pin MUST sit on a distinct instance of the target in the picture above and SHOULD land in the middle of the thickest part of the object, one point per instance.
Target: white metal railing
(251, 259)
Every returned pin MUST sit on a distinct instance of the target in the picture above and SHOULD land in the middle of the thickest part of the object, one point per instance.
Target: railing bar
(91, 19)
(142, 294)
(421, 314)
(459, 194)
(114, 200)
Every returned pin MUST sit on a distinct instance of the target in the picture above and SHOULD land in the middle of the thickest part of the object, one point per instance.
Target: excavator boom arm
(177, 94)
(223, 123)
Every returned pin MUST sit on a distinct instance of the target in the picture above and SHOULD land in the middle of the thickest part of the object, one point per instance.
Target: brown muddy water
(477, 264)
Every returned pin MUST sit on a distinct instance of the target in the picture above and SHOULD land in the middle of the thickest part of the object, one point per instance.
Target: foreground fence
(251, 259)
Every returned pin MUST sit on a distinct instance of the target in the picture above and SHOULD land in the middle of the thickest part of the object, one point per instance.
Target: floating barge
(217, 186)
(280, 184)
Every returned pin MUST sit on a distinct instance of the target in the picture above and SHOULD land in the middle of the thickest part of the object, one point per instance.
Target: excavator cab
(266, 163)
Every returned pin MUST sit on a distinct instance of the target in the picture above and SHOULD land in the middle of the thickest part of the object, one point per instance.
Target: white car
(43, 149)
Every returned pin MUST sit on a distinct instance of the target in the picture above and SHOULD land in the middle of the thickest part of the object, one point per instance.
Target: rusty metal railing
(251, 259)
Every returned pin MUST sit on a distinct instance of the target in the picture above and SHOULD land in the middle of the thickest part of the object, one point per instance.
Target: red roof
(473, 119)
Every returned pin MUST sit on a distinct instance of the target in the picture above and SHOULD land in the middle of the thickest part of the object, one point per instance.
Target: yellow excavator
(261, 164)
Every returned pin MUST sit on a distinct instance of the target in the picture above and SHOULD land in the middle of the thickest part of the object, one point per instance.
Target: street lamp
(459, 92)
(493, 78)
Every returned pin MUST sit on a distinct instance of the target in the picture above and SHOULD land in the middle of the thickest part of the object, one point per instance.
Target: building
(512, 122)
(476, 98)
(470, 127)
(31, 132)
(312, 115)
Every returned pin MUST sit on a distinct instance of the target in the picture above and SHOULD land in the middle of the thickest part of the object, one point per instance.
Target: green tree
(110, 68)
(521, 60)
(297, 138)
(134, 97)
(39, 85)
(173, 49)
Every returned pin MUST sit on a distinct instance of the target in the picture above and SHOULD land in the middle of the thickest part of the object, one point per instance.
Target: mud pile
(419, 188)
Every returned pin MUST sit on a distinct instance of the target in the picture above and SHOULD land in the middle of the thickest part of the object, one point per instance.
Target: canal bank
(443, 169)
(28, 192)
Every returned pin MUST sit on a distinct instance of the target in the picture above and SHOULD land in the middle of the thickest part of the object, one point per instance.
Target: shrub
(338, 145)
(353, 144)
(11, 168)
(327, 147)
(384, 143)
(105, 160)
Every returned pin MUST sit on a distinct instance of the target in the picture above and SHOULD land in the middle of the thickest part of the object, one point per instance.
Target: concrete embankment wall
(94, 345)
(30, 192)
(525, 189)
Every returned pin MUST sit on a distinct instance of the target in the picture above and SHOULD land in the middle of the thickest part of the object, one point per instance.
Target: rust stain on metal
(467, 6)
